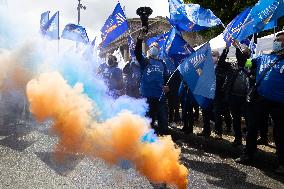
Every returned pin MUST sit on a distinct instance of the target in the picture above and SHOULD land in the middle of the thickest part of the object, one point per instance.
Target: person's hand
(166, 89)
(142, 34)
(235, 43)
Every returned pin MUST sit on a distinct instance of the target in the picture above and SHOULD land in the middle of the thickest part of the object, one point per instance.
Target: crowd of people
(246, 89)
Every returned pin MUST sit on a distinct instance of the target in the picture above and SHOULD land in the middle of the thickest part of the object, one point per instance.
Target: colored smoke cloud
(74, 69)
(117, 138)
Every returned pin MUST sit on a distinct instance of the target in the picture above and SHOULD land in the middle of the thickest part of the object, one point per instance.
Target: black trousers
(187, 116)
(238, 107)
(173, 104)
(158, 110)
(257, 110)
(221, 109)
(207, 114)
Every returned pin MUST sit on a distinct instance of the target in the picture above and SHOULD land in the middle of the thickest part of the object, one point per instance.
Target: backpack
(241, 84)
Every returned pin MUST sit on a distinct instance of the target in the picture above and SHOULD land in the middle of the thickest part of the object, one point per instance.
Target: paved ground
(26, 161)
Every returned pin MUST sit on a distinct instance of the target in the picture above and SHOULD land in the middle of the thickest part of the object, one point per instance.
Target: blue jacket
(112, 76)
(154, 74)
(272, 85)
(133, 78)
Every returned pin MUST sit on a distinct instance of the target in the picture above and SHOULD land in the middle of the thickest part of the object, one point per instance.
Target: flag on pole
(233, 29)
(199, 74)
(260, 15)
(51, 28)
(115, 26)
(160, 39)
(175, 47)
(191, 17)
(43, 20)
(76, 33)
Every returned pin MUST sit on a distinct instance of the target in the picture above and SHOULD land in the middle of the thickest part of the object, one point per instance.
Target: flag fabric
(115, 26)
(279, 11)
(199, 74)
(260, 15)
(43, 20)
(51, 28)
(191, 17)
(160, 39)
(76, 33)
(271, 25)
(131, 45)
(234, 27)
(175, 47)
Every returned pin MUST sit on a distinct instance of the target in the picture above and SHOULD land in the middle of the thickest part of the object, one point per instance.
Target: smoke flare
(117, 138)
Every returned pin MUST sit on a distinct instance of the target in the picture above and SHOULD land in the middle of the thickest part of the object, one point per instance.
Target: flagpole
(58, 45)
(170, 78)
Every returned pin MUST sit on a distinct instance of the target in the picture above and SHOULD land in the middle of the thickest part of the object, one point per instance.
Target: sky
(92, 18)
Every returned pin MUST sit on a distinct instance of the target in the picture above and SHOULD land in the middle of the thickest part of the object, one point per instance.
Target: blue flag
(260, 15)
(199, 73)
(51, 28)
(191, 17)
(115, 26)
(76, 33)
(234, 27)
(272, 24)
(176, 47)
(160, 39)
(43, 20)
(131, 45)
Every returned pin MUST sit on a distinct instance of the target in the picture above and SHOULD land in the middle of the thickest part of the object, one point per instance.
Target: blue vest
(272, 85)
(152, 80)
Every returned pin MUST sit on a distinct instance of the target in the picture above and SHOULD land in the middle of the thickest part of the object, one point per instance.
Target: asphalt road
(27, 161)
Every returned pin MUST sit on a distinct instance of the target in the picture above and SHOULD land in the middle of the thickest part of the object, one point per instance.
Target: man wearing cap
(153, 79)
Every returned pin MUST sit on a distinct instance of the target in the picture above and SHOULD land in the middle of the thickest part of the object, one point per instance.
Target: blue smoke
(76, 70)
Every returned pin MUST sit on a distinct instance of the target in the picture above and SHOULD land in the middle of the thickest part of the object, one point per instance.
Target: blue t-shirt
(272, 85)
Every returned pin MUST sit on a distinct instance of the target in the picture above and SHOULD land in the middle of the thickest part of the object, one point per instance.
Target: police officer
(154, 77)
(269, 100)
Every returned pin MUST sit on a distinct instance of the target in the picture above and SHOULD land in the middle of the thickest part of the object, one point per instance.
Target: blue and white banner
(115, 26)
(199, 73)
(51, 28)
(191, 17)
(75, 33)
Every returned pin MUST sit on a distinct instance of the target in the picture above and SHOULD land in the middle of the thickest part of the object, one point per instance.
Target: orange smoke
(116, 139)
(12, 64)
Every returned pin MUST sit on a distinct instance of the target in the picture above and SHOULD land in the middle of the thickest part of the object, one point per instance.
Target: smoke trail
(74, 69)
(115, 139)
(17, 67)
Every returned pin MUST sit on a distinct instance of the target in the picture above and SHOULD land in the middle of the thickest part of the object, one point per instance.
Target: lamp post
(79, 7)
